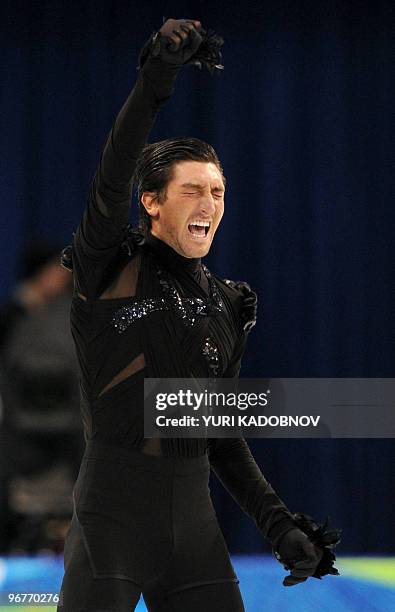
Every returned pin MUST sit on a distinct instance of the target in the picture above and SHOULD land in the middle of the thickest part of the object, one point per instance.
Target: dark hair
(154, 168)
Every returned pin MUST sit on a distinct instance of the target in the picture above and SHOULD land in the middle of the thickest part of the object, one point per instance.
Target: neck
(171, 259)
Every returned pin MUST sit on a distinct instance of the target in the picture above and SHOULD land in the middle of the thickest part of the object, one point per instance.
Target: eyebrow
(200, 187)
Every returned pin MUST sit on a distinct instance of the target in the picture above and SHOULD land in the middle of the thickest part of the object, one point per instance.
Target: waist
(134, 456)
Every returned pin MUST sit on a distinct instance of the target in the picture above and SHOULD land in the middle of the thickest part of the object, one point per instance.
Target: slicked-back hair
(154, 169)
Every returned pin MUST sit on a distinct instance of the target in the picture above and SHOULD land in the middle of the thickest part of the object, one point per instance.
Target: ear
(149, 200)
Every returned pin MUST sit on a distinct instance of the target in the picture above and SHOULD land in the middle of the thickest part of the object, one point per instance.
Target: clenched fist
(181, 32)
(177, 40)
(184, 41)
(300, 554)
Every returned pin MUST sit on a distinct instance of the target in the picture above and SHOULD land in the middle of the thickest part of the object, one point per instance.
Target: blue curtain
(302, 118)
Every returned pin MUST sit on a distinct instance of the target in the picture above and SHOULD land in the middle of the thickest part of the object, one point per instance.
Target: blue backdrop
(302, 118)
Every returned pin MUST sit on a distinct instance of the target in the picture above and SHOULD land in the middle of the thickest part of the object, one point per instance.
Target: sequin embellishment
(211, 355)
(187, 309)
(129, 314)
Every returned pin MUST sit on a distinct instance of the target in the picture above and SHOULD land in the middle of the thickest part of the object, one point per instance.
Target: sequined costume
(143, 518)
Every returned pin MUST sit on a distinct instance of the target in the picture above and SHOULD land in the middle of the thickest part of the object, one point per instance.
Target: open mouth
(199, 229)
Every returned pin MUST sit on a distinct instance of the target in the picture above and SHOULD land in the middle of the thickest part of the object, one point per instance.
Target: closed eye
(216, 195)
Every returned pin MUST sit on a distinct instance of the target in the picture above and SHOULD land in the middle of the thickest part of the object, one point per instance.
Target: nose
(207, 205)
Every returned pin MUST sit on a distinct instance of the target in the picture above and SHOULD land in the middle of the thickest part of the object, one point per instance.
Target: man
(147, 307)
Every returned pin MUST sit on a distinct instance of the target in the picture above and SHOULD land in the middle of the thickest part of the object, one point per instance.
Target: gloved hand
(307, 550)
(184, 41)
(299, 555)
(175, 43)
(179, 39)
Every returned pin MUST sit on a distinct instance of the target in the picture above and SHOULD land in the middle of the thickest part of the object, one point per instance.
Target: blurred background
(302, 119)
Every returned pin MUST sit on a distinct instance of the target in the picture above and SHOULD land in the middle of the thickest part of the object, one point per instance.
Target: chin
(199, 250)
(193, 249)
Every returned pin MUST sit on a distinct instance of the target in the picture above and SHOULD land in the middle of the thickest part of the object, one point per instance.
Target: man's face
(188, 219)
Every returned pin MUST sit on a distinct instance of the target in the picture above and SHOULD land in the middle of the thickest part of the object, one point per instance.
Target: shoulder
(128, 247)
(233, 288)
(235, 291)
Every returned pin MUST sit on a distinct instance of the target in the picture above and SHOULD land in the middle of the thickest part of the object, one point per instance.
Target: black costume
(143, 519)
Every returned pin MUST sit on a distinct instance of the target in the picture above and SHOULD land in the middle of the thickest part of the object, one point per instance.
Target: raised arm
(99, 235)
(158, 70)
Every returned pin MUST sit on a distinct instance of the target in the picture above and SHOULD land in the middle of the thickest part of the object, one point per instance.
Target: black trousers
(146, 525)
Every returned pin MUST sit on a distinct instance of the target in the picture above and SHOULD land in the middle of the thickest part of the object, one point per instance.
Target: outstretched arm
(234, 465)
(231, 459)
(236, 468)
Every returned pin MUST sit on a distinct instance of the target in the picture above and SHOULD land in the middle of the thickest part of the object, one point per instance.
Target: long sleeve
(100, 233)
(154, 86)
(233, 369)
(232, 462)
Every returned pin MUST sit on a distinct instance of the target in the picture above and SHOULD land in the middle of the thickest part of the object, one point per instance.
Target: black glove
(248, 310)
(301, 555)
(184, 41)
(307, 550)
